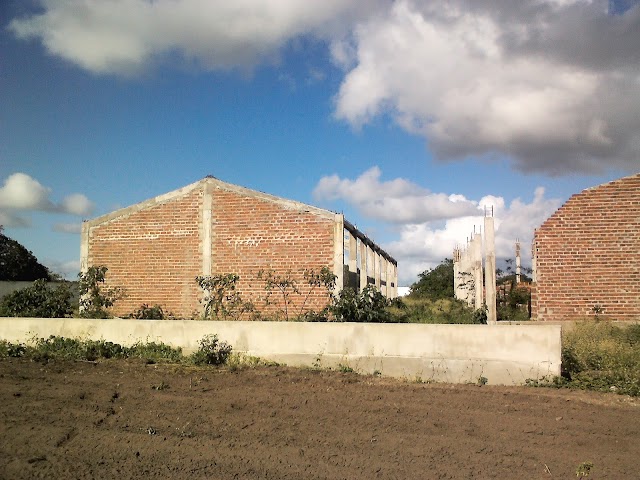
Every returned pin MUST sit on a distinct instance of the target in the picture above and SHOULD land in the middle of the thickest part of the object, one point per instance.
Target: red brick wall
(250, 234)
(154, 254)
(588, 254)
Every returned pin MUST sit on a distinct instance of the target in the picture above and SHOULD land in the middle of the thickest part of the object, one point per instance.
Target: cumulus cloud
(21, 192)
(118, 36)
(425, 245)
(395, 201)
(430, 228)
(67, 227)
(552, 85)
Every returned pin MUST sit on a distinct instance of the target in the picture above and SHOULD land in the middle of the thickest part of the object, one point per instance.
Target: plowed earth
(122, 419)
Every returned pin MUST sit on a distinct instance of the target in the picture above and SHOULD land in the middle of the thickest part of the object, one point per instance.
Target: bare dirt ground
(118, 419)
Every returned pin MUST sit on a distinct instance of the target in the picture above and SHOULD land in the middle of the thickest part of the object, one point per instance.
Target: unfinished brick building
(156, 248)
(586, 256)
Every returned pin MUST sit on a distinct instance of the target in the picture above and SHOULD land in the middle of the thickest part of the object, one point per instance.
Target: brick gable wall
(154, 254)
(588, 253)
(155, 250)
(250, 234)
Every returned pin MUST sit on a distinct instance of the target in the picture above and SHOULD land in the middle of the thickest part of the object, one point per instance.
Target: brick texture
(587, 254)
(156, 252)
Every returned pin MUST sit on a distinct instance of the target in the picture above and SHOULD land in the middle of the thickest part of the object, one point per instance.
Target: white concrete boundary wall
(504, 354)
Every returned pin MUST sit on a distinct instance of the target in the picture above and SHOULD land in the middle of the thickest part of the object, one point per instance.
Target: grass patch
(599, 356)
(424, 310)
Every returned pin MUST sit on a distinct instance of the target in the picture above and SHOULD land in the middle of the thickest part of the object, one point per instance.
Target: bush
(95, 296)
(369, 305)
(444, 310)
(38, 300)
(602, 356)
(212, 351)
(145, 312)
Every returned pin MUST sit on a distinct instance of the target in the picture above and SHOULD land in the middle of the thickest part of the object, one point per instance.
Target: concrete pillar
(206, 229)
(389, 279)
(517, 262)
(456, 273)
(353, 259)
(395, 281)
(84, 247)
(364, 262)
(476, 253)
(376, 267)
(490, 269)
(338, 252)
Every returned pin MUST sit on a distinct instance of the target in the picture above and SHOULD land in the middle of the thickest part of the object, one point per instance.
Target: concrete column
(338, 252)
(376, 267)
(456, 273)
(84, 247)
(476, 252)
(395, 281)
(353, 258)
(364, 253)
(206, 228)
(389, 279)
(517, 262)
(490, 269)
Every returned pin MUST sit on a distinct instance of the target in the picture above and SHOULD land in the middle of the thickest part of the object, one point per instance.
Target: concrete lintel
(363, 238)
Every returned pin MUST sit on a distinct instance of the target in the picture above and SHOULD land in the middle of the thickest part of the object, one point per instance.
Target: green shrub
(95, 296)
(8, 349)
(38, 300)
(153, 352)
(414, 309)
(212, 351)
(369, 305)
(602, 356)
(145, 312)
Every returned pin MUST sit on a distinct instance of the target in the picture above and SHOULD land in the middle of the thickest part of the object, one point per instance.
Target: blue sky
(407, 116)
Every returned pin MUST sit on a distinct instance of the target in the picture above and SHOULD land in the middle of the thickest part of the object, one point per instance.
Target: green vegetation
(369, 305)
(599, 356)
(413, 309)
(222, 301)
(435, 283)
(95, 295)
(19, 264)
(212, 351)
(145, 312)
(38, 300)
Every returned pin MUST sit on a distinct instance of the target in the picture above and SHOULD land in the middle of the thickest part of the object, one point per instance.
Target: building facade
(155, 250)
(586, 256)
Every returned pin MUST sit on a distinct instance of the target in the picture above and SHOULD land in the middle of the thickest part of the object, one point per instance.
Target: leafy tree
(38, 300)
(19, 264)
(435, 283)
(95, 295)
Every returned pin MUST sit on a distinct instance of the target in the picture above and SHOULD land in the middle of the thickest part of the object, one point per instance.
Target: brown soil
(122, 420)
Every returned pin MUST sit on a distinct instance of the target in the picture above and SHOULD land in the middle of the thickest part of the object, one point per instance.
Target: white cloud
(67, 227)
(107, 36)
(431, 224)
(21, 192)
(10, 219)
(395, 201)
(67, 269)
(77, 204)
(554, 87)
(424, 246)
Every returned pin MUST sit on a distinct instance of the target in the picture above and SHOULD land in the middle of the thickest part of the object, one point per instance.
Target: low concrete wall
(504, 354)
